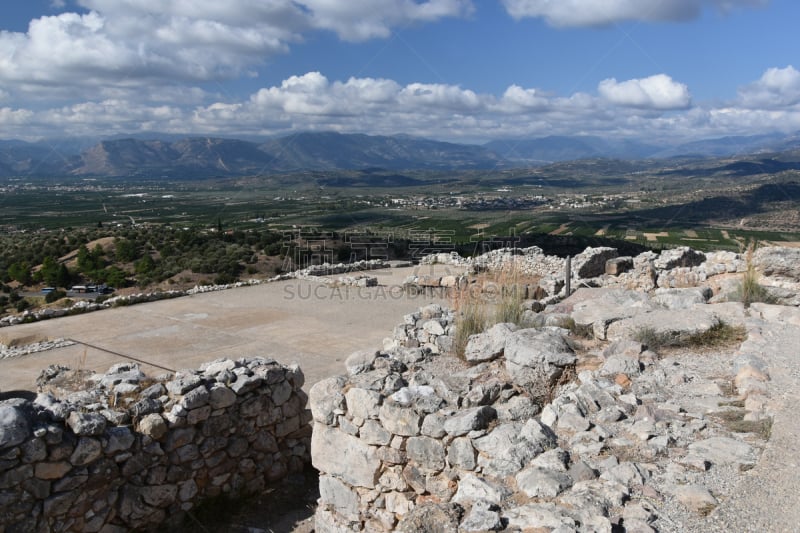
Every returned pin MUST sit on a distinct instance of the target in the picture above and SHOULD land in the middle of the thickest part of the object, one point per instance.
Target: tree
(125, 250)
(20, 272)
(85, 263)
(55, 296)
(64, 277)
(115, 276)
(145, 265)
(50, 271)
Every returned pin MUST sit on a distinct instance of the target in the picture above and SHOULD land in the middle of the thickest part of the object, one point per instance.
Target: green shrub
(54, 296)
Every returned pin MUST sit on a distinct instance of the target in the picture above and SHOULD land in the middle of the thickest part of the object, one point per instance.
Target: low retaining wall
(126, 452)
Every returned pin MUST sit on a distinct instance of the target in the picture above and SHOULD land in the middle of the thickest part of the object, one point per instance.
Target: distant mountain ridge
(175, 157)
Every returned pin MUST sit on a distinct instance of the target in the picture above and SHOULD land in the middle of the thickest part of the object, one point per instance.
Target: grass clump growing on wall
(472, 317)
(750, 290)
(511, 295)
(492, 298)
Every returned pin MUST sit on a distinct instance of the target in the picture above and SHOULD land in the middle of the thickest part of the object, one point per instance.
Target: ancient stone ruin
(595, 413)
(125, 452)
(527, 436)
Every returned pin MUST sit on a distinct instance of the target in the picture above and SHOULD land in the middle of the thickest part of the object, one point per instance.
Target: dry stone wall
(524, 439)
(602, 267)
(126, 452)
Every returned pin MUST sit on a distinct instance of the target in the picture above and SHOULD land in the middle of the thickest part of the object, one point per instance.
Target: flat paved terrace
(309, 323)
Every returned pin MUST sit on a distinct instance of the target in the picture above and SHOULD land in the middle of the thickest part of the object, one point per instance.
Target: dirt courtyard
(309, 323)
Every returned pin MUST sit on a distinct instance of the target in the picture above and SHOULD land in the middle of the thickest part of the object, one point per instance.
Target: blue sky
(461, 70)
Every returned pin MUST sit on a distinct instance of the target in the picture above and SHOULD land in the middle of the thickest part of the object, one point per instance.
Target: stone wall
(530, 436)
(120, 451)
(601, 267)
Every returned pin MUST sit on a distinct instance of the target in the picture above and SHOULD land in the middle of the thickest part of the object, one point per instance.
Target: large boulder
(536, 358)
(600, 307)
(344, 456)
(778, 261)
(488, 345)
(665, 326)
(679, 257)
(619, 265)
(14, 424)
(684, 298)
(592, 262)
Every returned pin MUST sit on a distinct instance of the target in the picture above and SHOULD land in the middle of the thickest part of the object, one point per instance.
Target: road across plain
(312, 324)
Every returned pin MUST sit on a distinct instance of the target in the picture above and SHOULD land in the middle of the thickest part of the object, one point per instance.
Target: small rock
(696, 498)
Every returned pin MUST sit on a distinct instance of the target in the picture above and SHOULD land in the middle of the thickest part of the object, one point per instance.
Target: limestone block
(461, 454)
(360, 361)
(362, 403)
(488, 345)
(537, 482)
(14, 426)
(221, 397)
(399, 420)
(482, 517)
(536, 358)
(592, 262)
(428, 453)
(472, 488)
(683, 298)
(338, 454)
(327, 400)
(544, 516)
(336, 494)
(371, 432)
(467, 420)
(618, 265)
(87, 450)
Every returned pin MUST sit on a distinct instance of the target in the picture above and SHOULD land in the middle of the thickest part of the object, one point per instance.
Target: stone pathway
(766, 498)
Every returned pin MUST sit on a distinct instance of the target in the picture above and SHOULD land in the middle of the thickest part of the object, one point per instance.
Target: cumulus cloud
(654, 107)
(654, 92)
(517, 98)
(141, 43)
(124, 48)
(777, 88)
(358, 20)
(604, 12)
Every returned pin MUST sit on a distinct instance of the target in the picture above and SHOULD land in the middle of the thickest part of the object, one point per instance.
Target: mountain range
(175, 157)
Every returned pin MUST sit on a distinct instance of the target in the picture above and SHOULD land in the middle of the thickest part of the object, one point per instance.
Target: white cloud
(604, 12)
(654, 92)
(122, 44)
(777, 88)
(358, 20)
(73, 54)
(519, 99)
(656, 108)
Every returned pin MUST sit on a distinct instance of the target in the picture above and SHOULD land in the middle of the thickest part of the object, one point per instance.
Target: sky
(455, 70)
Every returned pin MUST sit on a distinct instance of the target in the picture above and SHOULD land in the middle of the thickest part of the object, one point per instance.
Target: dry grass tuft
(750, 290)
(492, 298)
(733, 420)
(471, 316)
(719, 336)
